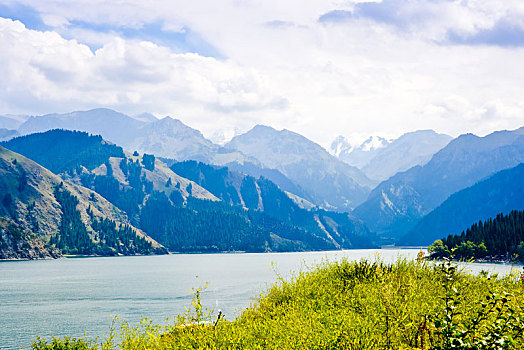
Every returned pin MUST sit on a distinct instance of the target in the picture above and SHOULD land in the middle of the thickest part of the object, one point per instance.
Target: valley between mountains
(100, 182)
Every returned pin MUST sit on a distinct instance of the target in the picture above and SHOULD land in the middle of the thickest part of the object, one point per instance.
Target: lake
(76, 296)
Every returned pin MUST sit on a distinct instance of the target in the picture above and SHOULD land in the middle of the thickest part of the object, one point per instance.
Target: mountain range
(331, 184)
(398, 203)
(391, 186)
(174, 206)
(499, 194)
(380, 158)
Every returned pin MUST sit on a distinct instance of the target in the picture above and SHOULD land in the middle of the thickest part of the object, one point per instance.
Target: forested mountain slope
(70, 217)
(263, 195)
(183, 215)
(500, 193)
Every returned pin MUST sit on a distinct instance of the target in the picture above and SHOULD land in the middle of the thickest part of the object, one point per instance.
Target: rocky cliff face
(18, 243)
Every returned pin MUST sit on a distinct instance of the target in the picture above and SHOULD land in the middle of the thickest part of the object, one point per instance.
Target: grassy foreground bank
(349, 305)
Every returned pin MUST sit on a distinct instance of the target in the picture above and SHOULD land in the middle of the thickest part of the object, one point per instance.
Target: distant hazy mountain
(166, 137)
(171, 138)
(359, 154)
(113, 126)
(500, 193)
(6, 134)
(395, 205)
(409, 150)
(12, 122)
(380, 159)
(330, 182)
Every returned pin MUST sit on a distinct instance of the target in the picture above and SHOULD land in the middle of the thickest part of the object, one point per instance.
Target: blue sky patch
(336, 16)
(181, 41)
(413, 16)
(503, 34)
(25, 14)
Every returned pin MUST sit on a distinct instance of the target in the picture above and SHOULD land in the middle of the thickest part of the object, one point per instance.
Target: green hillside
(57, 211)
(63, 150)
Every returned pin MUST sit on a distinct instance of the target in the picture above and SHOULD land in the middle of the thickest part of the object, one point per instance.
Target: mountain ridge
(330, 182)
(380, 158)
(501, 192)
(177, 212)
(396, 204)
(170, 138)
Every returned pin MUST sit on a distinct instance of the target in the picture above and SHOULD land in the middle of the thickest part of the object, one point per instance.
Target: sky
(321, 68)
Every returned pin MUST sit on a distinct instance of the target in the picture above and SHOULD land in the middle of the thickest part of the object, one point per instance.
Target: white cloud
(282, 67)
(54, 20)
(123, 75)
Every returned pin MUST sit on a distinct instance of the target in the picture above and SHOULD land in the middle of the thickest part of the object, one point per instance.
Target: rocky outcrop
(18, 243)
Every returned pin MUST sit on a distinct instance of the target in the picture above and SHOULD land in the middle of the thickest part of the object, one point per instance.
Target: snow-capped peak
(223, 136)
(340, 144)
(344, 145)
(373, 143)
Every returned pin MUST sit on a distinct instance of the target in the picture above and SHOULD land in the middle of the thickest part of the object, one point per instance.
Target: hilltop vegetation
(500, 238)
(64, 150)
(348, 305)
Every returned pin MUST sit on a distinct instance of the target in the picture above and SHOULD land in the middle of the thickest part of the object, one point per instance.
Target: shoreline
(235, 252)
(491, 260)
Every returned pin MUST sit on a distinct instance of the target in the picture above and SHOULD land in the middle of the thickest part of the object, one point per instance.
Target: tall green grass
(349, 305)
